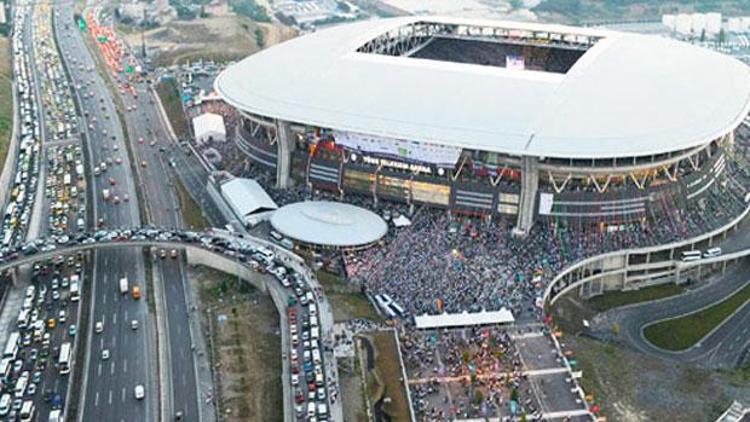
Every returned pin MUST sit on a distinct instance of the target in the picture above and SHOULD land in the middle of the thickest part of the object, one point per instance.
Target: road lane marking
(96, 399)
(101, 343)
(125, 365)
(114, 318)
(112, 368)
(126, 315)
(123, 394)
(110, 397)
(99, 370)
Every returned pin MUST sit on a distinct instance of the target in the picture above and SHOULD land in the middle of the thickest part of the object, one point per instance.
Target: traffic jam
(308, 379)
(40, 346)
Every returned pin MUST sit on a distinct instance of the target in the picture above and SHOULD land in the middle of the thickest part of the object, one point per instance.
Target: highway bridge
(199, 253)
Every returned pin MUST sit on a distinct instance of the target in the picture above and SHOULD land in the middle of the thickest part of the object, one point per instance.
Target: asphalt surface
(722, 348)
(108, 386)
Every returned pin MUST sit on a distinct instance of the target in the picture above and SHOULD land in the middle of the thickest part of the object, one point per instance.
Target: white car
(140, 392)
(134, 324)
(99, 327)
(105, 354)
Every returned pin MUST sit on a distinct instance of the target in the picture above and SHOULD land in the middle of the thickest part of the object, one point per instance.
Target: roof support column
(529, 187)
(285, 146)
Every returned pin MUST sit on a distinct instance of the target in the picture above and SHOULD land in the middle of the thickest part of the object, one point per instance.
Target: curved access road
(725, 347)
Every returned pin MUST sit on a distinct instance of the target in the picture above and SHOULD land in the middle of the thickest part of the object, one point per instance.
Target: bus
(384, 303)
(11, 347)
(64, 360)
(688, 256)
(398, 309)
(75, 293)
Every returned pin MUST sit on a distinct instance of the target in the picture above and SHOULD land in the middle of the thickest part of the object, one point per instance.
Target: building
(209, 127)
(249, 202)
(500, 119)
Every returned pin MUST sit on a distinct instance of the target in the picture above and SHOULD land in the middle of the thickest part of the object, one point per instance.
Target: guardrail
(551, 298)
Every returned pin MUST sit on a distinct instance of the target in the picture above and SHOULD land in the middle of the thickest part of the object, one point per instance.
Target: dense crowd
(466, 373)
(444, 263)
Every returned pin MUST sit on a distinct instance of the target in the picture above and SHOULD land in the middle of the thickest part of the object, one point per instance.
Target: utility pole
(143, 34)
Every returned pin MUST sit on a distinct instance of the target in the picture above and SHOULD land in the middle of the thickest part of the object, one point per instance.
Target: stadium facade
(503, 119)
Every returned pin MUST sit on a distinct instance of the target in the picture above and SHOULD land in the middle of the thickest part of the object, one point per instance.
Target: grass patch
(170, 99)
(6, 98)
(611, 300)
(386, 379)
(681, 333)
(347, 301)
(192, 214)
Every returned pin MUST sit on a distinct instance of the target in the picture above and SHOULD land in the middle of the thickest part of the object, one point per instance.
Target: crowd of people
(465, 373)
(442, 263)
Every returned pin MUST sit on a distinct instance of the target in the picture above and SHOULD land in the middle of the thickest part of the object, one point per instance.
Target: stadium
(507, 120)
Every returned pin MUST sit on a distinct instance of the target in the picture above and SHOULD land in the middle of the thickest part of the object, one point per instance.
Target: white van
(27, 411)
(313, 310)
(712, 253)
(316, 356)
(315, 333)
(21, 386)
(311, 410)
(5, 402)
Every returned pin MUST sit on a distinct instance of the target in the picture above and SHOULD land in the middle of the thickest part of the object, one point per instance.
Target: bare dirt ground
(350, 377)
(223, 38)
(246, 346)
(632, 387)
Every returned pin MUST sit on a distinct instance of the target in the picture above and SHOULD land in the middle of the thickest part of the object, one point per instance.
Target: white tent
(401, 221)
(464, 319)
(209, 127)
(248, 200)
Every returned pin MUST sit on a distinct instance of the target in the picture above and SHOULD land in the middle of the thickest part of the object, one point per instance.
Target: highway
(150, 143)
(108, 387)
(722, 348)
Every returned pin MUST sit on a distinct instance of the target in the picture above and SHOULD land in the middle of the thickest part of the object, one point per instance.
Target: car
(31, 390)
(134, 324)
(55, 296)
(51, 323)
(105, 354)
(99, 327)
(178, 416)
(162, 254)
(173, 253)
(295, 379)
(73, 330)
(112, 181)
(36, 377)
(17, 366)
(62, 316)
(139, 391)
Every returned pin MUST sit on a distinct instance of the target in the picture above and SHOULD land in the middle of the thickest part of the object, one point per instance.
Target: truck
(105, 194)
(124, 285)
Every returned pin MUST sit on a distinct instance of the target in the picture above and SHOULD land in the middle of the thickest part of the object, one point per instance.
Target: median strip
(683, 332)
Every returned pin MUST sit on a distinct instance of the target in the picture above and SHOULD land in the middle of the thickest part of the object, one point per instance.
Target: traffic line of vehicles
(42, 346)
(19, 208)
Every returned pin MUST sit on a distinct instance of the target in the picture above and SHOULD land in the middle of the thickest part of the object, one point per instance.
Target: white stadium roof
(329, 224)
(629, 95)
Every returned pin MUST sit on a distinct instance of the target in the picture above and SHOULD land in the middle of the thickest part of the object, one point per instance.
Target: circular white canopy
(329, 224)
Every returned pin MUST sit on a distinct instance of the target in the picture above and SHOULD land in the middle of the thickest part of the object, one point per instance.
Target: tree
(616, 329)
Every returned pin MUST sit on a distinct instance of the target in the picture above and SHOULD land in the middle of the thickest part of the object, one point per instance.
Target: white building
(209, 127)
(248, 200)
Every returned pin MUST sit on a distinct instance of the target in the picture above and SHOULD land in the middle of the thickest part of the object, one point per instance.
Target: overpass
(198, 253)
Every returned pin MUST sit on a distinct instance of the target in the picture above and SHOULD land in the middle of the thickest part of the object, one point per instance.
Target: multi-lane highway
(151, 147)
(109, 385)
